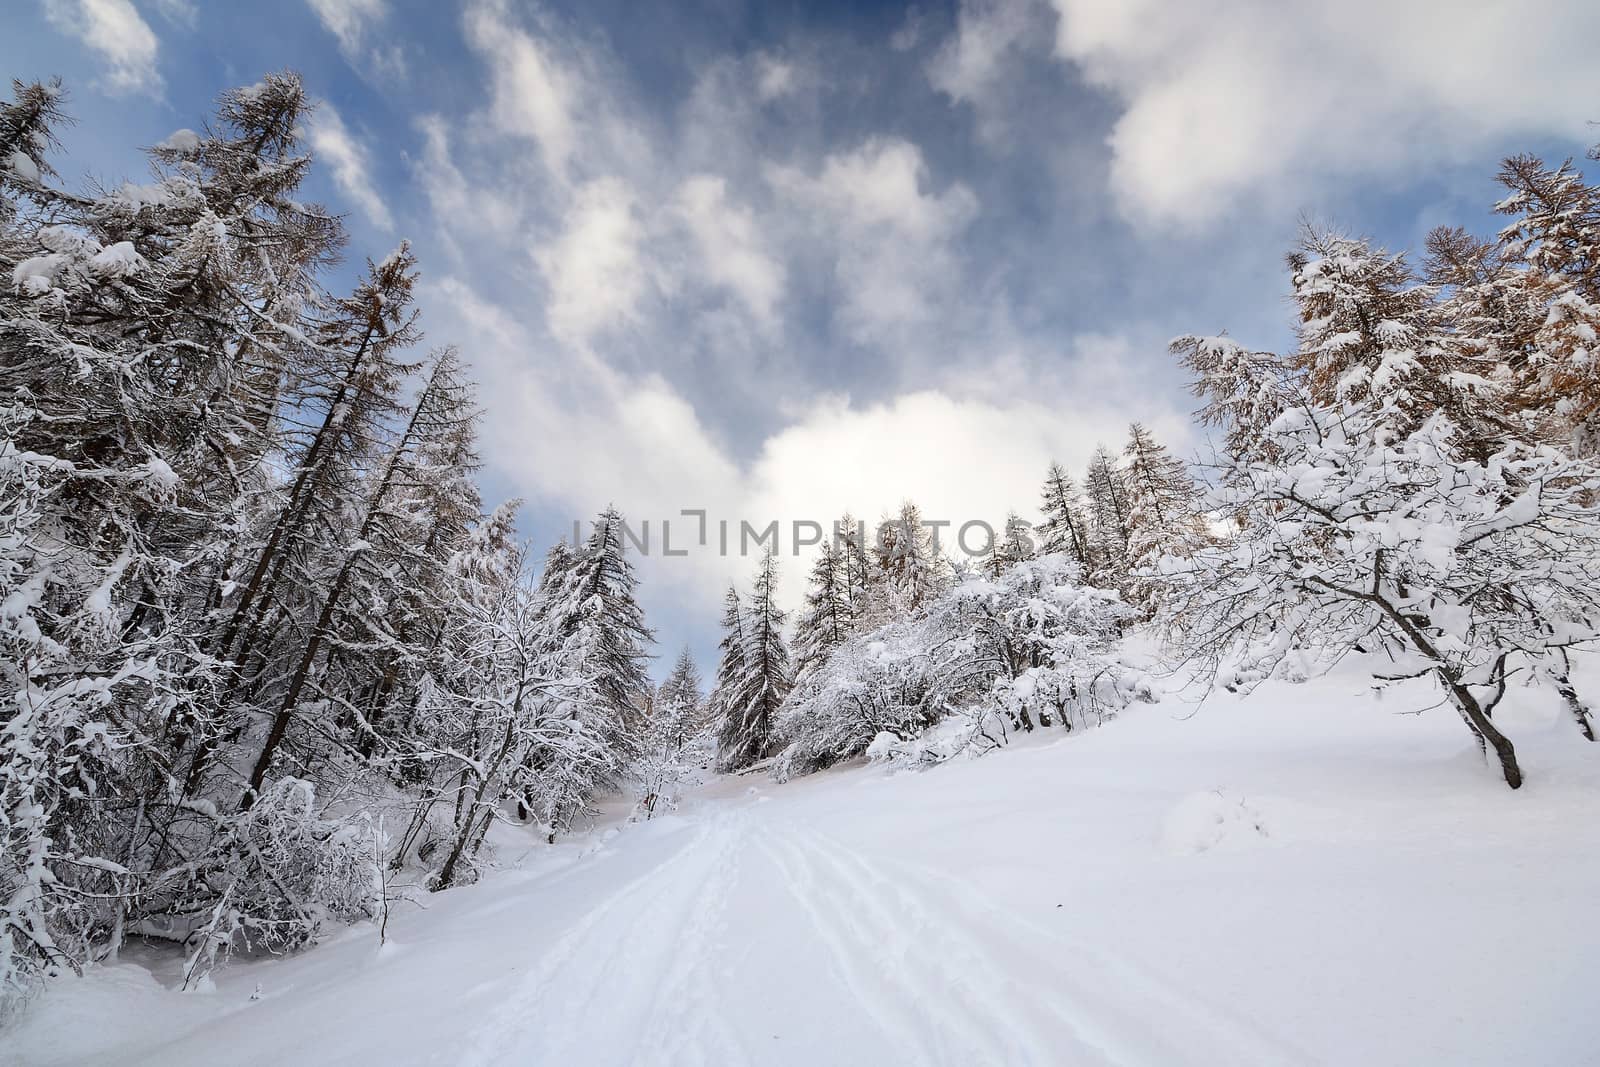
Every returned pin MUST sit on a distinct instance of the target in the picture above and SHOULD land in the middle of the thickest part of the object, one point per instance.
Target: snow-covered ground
(1308, 876)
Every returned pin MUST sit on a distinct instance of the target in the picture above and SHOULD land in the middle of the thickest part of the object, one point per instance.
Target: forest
(269, 661)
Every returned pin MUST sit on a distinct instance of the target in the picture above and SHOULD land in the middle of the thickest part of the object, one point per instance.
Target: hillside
(1309, 876)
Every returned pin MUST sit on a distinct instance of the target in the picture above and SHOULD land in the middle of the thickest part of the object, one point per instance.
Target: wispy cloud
(115, 32)
(347, 157)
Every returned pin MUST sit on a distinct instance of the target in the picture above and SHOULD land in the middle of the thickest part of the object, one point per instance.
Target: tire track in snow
(1208, 1033)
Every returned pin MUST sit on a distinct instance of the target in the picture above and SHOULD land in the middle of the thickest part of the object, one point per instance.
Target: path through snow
(1308, 877)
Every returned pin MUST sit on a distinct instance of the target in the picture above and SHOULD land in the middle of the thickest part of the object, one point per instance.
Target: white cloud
(534, 94)
(732, 248)
(891, 235)
(349, 20)
(987, 32)
(179, 12)
(775, 77)
(595, 270)
(461, 207)
(1228, 102)
(114, 30)
(908, 33)
(577, 435)
(336, 146)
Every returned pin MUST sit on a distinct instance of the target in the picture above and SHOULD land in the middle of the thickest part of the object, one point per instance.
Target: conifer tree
(907, 570)
(1108, 516)
(1552, 317)
(828, 616)
(681, 701)
(730, 656)
(1064, 529)
(1164, 511)
(749, 705)
(1012, 545)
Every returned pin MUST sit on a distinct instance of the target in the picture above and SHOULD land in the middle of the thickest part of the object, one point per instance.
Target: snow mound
(1212, 819)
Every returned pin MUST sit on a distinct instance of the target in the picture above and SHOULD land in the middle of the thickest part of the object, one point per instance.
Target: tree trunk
(1472, 711)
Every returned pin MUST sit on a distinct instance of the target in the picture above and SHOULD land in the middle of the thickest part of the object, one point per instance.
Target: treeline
(899, 632)
(261, 642)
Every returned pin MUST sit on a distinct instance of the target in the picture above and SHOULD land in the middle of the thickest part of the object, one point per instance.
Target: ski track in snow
(1209, 1033)
(637, 946)
(920, 952)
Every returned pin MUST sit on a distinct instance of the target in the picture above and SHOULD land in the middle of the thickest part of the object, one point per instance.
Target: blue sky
(775, 260)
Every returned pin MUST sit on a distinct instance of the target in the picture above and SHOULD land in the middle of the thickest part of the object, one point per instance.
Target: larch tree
(1064, 529)
(828, 616)
(749, 705)
(1165, 514)
(1108, 516)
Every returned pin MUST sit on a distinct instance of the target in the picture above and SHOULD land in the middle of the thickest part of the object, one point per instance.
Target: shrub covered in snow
(1029, 648)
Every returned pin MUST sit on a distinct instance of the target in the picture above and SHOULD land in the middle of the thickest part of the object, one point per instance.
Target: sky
(776, 260)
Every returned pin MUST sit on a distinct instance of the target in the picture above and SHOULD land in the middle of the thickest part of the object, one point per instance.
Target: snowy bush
(1030, 648)
(277, 875)
(1445, 567)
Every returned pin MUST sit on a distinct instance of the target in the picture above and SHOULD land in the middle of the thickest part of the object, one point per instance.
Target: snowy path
(1280, 883)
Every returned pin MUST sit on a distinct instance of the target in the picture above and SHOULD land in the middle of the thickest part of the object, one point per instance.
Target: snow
(23, 167)
(117, 261)
(183, 142)
(1310, 875)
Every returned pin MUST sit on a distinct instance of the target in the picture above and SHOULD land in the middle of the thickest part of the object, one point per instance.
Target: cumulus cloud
(1224, 103)
(337, 147)
(114, 31)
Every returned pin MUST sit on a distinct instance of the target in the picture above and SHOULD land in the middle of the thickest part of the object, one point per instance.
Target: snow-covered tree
(1243, 391)
(670, 746)
(593, 631)
(1403, 547)
(1012, 545)
(908, 571)
(1064, 529)
(1034, 647)
(1547, 301)
(750, 699)
(828, 616)
(1165, 516)
(1108, 518)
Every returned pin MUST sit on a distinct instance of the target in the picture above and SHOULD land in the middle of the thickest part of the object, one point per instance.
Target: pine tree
(1553, 317)
(730, 657)
(680, 699)
(1369, 329)
(828, 616)
(1244, 391)
(907, 570)
(1164, 512)
(1012, 545)
(1108, 517)
(750, 703)
(1064, 529)
(854, 565)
